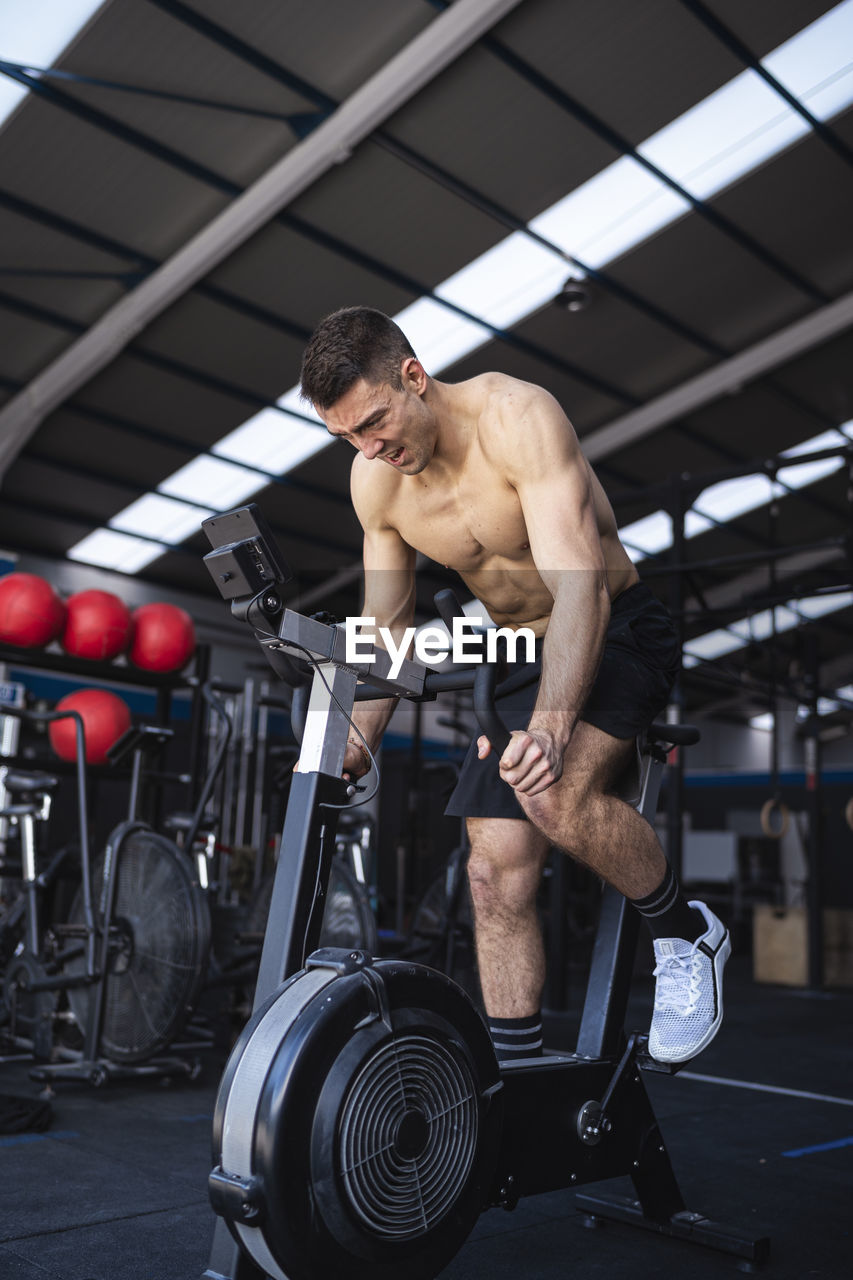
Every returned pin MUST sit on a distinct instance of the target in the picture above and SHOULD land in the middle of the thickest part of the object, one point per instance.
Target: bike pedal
(646, 1062)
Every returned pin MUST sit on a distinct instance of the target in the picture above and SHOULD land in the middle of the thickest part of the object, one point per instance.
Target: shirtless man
(487, 477)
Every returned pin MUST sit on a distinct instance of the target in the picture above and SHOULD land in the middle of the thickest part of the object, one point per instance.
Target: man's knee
(505, 863)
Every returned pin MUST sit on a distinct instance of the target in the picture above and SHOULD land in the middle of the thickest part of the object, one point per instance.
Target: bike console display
(245, 562)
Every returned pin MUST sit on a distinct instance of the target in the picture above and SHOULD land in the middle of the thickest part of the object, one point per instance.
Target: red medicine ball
(97, 626)
(31, 613)
(105, 718)
(163, 637)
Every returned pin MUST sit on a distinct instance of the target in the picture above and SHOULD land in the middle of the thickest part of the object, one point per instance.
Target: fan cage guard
(348, 919)
(155, 976)
(408, 1131)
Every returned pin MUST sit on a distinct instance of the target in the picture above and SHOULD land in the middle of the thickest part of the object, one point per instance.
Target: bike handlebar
(485, 678)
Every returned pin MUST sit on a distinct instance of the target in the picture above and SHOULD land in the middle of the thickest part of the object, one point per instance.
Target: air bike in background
(363, 1122)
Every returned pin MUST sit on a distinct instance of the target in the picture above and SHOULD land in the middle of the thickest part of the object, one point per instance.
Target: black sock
(667, 912)
(515, 1038)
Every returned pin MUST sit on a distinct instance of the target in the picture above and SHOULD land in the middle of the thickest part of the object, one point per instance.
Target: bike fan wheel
(348, 920)
(28, 1014)
(358, 1123)
(158, 948)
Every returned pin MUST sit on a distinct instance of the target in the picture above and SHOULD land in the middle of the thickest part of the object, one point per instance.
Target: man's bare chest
(463, 526)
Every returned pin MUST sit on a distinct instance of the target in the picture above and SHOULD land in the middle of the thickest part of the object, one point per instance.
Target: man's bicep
(555, 489)
(559, 513)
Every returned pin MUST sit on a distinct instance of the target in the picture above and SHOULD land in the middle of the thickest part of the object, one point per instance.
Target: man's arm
(389, 597)
(544, 464)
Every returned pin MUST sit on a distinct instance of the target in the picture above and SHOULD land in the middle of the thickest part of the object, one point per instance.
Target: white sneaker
(689, 991)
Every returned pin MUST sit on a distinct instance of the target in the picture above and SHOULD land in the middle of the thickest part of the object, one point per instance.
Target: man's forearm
(572, 652)
(372, 718)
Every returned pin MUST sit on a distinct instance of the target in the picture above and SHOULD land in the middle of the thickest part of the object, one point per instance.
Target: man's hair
(353, 343)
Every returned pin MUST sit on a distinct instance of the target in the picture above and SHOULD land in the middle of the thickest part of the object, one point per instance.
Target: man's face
(393, 426)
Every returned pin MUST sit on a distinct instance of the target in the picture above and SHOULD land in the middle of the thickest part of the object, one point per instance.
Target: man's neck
(455, 425)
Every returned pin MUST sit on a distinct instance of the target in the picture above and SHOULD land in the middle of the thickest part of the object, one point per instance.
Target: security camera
(574, 295)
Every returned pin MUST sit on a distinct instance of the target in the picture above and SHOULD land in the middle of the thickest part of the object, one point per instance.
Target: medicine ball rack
(363, 1122)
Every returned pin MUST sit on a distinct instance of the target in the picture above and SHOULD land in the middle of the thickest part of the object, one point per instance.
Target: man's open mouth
(394, 458)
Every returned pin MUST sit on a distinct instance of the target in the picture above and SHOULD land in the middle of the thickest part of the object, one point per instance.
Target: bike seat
(677, 735)
(29, 784)
(183, 821)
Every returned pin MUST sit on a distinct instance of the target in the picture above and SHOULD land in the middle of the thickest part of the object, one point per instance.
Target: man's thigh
(596, 762)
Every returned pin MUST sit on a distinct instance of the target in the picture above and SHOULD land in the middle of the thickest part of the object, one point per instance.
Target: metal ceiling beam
(726, 378)
(436, 47)
(741, 593)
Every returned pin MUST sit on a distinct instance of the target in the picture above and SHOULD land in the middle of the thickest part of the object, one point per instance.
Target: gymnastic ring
(767, 811)
(848, 813)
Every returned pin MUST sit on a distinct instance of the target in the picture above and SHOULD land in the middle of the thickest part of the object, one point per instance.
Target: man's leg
(580, 814)
(504, 869)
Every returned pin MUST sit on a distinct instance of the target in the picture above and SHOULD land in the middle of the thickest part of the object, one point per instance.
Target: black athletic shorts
(639, 664)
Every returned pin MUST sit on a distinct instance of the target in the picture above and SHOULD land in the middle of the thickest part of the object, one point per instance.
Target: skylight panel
(825, 706)
(816, 65)
(272, 440)
(732, 498)
(730, 132)
(694, 523)
(729, 499)
(817, 606)
(213, 481)
(648, 536)
(438, 335)
(109, 549)
(714, 644)
(760, 626)
(826, 440)
(610, 213)
(292, 402)
(155, 516)
(508, 281)
(810, 472)
(35, 32)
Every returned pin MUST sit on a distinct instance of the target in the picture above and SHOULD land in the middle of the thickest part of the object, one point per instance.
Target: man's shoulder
(373, 487)
(503, 403)
(499, 397)
(493, 389)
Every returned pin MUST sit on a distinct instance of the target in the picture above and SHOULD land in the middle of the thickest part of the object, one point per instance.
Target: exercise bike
(363, 1122)
(129, 960)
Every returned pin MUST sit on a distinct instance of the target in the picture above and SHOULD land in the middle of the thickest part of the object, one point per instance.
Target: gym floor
(115, 1189)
